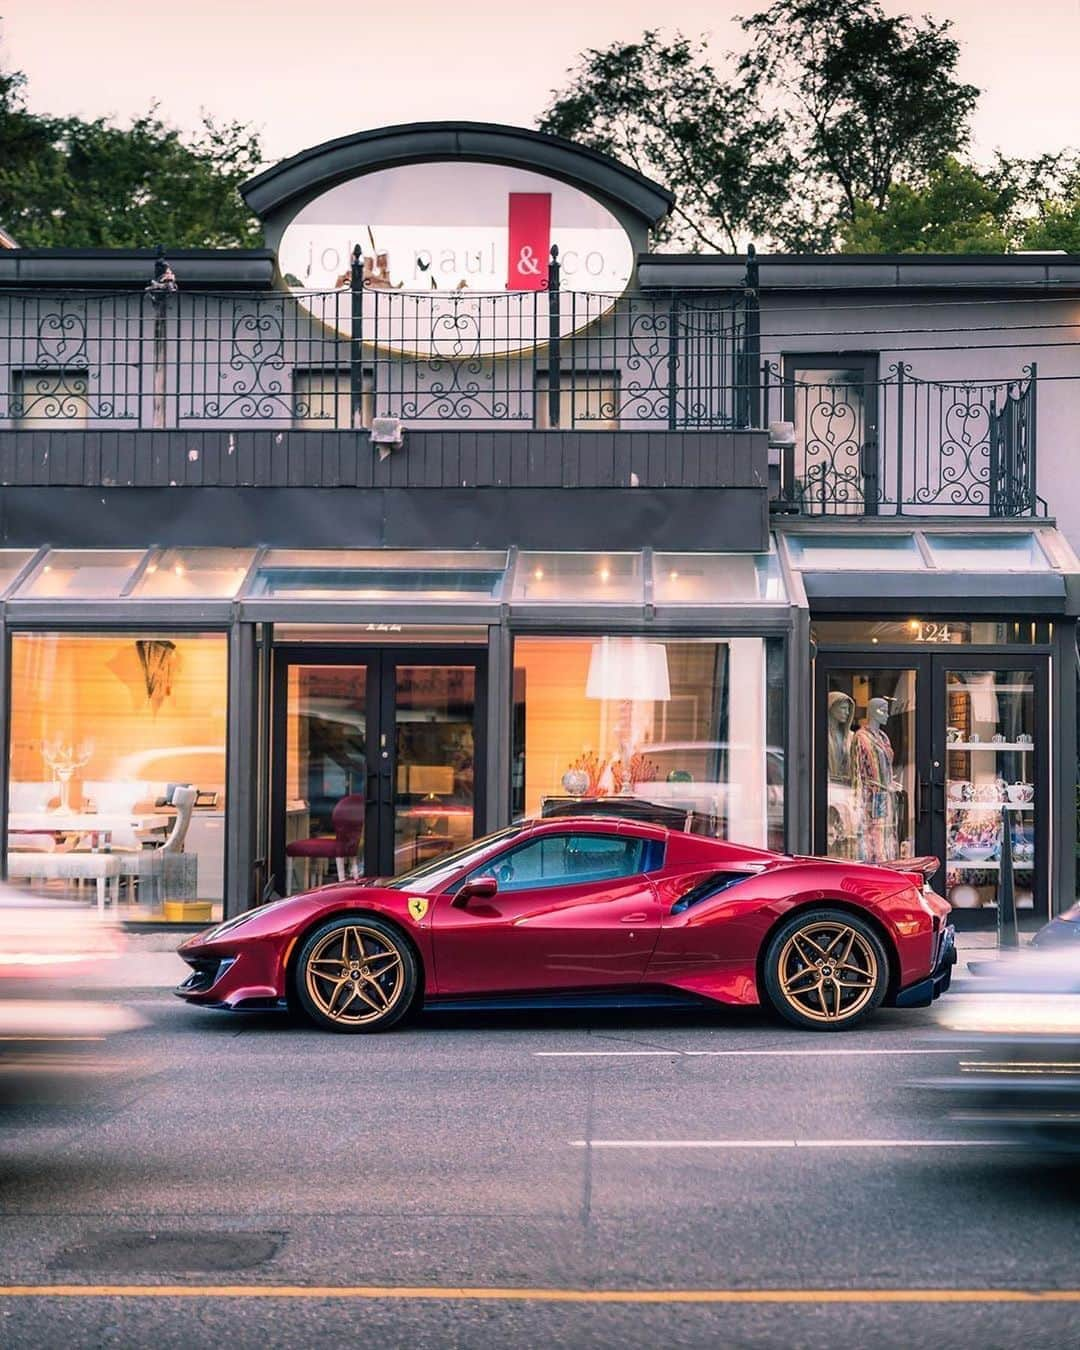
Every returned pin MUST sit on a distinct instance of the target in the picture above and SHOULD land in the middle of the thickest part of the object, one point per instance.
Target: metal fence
(548, 359)
(334, 360)
(904, 444)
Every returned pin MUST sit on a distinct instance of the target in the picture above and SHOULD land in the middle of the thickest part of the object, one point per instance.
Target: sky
(305, 71)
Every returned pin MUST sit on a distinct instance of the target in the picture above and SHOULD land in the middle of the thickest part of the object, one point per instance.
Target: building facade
(455, 504)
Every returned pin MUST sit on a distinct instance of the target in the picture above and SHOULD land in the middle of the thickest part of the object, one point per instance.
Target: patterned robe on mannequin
(875, 797)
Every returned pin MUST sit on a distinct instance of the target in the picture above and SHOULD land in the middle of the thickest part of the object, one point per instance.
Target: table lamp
(628, 671)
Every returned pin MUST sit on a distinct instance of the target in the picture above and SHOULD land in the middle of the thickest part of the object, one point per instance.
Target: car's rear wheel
(826, 969)
(356, 974)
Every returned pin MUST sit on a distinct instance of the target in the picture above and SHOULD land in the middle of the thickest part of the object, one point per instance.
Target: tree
(1055, 219)
(957, 211)
(78, 184)
(663, 109)
(870, 98)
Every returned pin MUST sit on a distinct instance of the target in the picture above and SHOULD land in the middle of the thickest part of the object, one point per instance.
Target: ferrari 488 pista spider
(589, 911)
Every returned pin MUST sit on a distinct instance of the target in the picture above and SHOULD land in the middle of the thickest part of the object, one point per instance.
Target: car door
(572, 911)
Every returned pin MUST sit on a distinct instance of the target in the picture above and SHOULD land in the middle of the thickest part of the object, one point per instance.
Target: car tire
(825, 970)
(356, 974)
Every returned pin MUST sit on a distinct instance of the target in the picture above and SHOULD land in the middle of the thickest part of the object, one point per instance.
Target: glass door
(932, 754)
(832, 403)
(871, 800)
(435, 757)
(992, 777)
(375, 756)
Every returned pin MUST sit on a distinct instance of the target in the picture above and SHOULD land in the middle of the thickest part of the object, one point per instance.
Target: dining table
(99, 825)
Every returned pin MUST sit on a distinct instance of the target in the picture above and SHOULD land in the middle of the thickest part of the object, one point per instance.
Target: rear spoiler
(926, 865)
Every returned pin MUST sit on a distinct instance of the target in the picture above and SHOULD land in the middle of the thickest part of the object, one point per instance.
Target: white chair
(167, 869)
(118, 797)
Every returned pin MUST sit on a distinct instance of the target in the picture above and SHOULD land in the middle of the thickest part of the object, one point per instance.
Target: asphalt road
(740, 1174)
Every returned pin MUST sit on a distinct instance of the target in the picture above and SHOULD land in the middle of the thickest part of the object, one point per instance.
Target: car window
(566, 859)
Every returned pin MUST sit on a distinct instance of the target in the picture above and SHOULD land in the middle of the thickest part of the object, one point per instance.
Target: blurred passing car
(1018, 1043)
(56, 1039)
(1063, 930)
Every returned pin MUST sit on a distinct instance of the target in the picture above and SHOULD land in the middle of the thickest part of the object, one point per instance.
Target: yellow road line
(461, 1293)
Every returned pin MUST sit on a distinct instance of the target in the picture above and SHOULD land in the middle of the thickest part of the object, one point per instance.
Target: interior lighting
(538, 574)
(605, 574)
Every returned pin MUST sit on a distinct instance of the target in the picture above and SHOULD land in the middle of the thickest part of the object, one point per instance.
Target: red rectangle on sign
(529, 242)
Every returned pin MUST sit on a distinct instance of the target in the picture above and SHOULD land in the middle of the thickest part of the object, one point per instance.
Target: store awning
(450, 586)
(947, 569)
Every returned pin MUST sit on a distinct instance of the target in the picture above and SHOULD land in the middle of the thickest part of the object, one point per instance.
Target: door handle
(634, 918)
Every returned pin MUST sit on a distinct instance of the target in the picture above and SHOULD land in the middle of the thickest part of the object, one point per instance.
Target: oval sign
(455, 258)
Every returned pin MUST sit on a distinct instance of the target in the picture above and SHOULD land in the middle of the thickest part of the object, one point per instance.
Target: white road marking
(724, 1054)
(784, 1143)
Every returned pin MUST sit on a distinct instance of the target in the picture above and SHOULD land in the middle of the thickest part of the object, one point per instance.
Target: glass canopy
(580, 578)
(12, 562)
(861, 552)
(80, 574)
(379, 574)
(916, 550)
(415, 577)
(404, 576)
(987, 552)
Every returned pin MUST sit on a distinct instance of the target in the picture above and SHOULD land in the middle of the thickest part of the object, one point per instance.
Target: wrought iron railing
(904, 444)
(551, 359)
(335, 360)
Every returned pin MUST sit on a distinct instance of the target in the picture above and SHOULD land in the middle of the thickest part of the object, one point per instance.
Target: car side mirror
(479, 888)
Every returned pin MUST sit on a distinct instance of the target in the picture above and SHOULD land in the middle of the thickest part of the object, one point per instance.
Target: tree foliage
(869, 98)
(956, 211)
(663, 109)
(809, 130)
(79, 184)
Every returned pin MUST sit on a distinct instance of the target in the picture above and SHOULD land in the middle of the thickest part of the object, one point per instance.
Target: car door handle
(634, 918)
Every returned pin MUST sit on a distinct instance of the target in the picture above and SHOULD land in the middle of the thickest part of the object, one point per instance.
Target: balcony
(550, 389)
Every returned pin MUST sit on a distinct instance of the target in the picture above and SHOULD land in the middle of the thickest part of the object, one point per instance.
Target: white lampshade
(627, 668)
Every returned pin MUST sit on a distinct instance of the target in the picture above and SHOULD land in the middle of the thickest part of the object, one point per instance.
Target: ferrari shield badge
(417, 907)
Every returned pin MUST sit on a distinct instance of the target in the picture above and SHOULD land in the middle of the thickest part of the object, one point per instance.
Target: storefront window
(117, 770)
(870, 749)
(696, 724)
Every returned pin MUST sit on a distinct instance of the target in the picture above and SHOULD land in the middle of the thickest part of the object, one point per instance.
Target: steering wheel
(504, 872)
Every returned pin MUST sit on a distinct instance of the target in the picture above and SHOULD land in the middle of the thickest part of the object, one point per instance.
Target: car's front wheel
(826, 969)
(356, 974)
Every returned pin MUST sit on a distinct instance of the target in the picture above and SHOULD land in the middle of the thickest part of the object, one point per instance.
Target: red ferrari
(589, 911)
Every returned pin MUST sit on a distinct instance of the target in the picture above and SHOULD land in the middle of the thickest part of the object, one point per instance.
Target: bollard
(1007, 933)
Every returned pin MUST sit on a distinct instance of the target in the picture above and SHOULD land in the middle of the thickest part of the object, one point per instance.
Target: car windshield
(434, 874)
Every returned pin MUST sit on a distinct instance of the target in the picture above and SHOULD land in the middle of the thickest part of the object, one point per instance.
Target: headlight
(1020, 1014)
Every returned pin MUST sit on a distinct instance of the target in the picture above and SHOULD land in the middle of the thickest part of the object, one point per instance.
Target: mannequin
(875, 788)
(841, 711)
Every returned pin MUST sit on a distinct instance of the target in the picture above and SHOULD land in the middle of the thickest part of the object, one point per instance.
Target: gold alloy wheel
(828, 971)
(354, 975)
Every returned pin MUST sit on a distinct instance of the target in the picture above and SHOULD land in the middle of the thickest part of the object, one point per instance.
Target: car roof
(597, 824)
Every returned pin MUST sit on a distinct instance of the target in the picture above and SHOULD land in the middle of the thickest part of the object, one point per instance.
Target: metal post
(673, 363)
(554, 340)
(160, 288)
(1032, 484)
(752, 340)
(1008, 935)
(901, 372)
(356, 340)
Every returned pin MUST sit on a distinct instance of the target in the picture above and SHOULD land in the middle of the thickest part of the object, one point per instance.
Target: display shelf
(990, 806)
(989, 745)
(966, 865)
